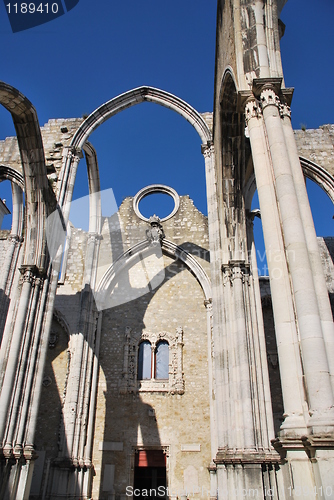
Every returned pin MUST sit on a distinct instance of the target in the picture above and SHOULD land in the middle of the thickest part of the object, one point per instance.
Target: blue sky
(73, 64)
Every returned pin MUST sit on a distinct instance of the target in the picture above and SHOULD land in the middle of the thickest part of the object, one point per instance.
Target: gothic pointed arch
(319, 175)
(37, 193)
(137, 96)
(12, 175)
(125, 260)
(111, 108)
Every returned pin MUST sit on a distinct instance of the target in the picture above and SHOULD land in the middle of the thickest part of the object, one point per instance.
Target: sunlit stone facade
(146, 354)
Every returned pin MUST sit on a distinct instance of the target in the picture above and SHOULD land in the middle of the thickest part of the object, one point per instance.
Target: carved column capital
(285, 110)
(29, 273)
(268, 97)
(208, 149)
(94, 237)
(252, 109)
(236, 269)
(38, 281)
(72, 152)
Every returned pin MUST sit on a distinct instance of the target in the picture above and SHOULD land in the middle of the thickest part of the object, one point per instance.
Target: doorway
(150, 478)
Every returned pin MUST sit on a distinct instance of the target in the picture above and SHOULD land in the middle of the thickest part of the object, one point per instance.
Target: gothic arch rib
(125, 260)
(34, 171)
(319, 175)
(11, 174)
(17, 183)
(111, 108)
(137, 96)
(95, 215)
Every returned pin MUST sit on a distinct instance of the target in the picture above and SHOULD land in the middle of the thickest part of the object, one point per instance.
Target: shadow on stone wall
(126, 415)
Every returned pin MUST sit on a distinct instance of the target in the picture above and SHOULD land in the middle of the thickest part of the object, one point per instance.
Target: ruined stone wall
(147, 417)
(129, 418)
(132, 417)
(317, 145)
(56, 134)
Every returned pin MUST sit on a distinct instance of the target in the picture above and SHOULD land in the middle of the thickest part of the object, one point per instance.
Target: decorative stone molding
(252, 109)
(53, 339)
(244, 456)
(155, 234)
(236, 269)
(285, 110)
(208, 304)
(268, 97)
(28, 274)
(208, 149)
(152, 189)
(175, 382)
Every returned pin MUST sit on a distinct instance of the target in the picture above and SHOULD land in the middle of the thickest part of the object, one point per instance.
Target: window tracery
(153, 362)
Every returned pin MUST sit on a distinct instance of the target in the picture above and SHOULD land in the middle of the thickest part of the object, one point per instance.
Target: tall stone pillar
(315, 362)
(324, 306)
(16, 390)
(285, 325)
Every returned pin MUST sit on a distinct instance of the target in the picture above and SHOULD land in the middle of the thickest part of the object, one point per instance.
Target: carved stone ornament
(236, 270)
(175, 382)
(207, 149)
(47, 381)
(268, 97)
(53, 339)
(285, 110)
(156, 233)
(252, 110)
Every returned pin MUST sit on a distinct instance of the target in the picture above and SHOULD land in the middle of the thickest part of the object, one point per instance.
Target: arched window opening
(144, 360)
(6, 205)
(164, 129)
(162, 360)
(79, 213)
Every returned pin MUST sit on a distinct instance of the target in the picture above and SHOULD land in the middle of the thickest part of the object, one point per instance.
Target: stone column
(311, 238)
(285, 325)
(221, 395)
(28, 274)
(214, 444)
(19, 405)
(259, 363)
(315, 363)
(242, 412)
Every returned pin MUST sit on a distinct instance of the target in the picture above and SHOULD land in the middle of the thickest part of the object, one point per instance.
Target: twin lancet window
(153, 363)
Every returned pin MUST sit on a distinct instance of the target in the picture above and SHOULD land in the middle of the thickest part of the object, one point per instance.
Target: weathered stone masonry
(247, 406)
